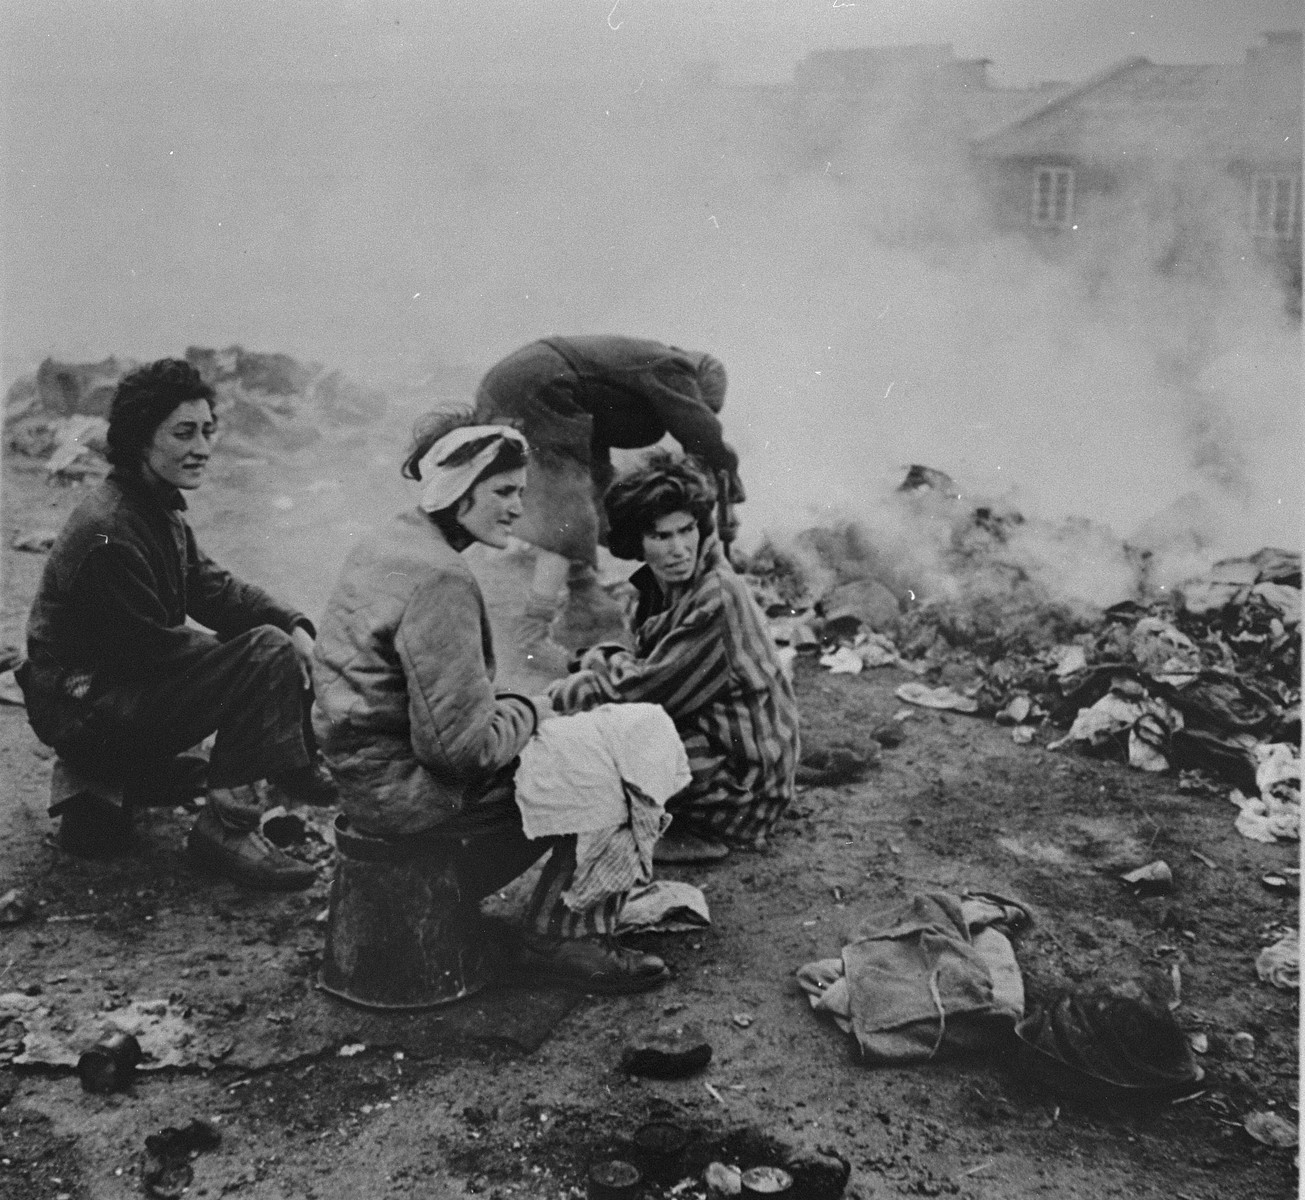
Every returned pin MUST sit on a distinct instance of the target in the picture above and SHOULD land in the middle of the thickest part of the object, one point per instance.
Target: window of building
(1053, 196)
(1275, 205)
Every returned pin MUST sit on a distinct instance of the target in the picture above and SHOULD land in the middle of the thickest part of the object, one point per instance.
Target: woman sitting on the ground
(424, 747)
(703, 653)
(118, 682)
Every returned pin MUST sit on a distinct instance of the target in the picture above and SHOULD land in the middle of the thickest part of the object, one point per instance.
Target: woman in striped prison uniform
(703, 653)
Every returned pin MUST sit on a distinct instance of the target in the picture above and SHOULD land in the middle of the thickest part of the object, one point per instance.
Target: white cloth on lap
(573, 770)
(604, 775)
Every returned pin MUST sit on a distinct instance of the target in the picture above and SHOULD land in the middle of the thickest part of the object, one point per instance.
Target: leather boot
(596, 964)
(245, 856)
(539, 651)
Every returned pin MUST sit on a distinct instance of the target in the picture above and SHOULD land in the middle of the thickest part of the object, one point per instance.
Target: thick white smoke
(839, 259)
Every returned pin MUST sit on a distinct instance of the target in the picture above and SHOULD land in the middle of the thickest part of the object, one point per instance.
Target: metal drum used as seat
(398, 935)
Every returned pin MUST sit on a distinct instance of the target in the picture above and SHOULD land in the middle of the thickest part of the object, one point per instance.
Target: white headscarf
(446, 485)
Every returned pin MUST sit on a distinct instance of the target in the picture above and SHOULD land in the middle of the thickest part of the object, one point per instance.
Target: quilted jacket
(406, 712)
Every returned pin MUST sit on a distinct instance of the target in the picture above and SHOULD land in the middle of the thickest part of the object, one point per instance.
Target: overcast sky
(159, 153)
(456, 41)
(289, 174)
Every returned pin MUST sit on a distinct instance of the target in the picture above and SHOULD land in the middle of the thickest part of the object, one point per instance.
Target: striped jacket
(708, 660)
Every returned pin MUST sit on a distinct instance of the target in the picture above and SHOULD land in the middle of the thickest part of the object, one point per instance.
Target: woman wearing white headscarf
(408, 716)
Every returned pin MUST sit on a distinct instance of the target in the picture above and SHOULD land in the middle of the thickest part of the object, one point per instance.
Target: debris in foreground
(110, 1065)
(931, 975)
(166, 1172)
(1102, 1044)
(1154, 879)
(670, 1052)
(1279, 964)
(1269, 1129)
(1201, 679)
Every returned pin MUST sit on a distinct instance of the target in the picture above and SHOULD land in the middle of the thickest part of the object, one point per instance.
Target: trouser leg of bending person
(535, 639)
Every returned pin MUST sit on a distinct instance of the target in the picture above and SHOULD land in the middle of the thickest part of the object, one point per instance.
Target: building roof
(1137, 108)
(888, 77)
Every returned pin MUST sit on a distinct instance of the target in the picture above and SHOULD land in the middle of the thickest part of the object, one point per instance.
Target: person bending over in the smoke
(577, 398)
(424, 748)
(121, 685)
(703, 653)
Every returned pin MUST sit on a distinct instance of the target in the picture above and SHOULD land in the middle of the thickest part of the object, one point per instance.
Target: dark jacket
(586, 395)
(122, 577)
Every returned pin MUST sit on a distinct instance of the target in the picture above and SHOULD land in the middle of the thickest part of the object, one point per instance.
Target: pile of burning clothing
(1203, 679)
(265, 402)
(1216, 665)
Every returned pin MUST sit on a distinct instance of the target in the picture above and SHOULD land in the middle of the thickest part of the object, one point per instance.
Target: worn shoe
(590, 964)
(311, 784)
(91, 827)
(245, 857)
(688, 848)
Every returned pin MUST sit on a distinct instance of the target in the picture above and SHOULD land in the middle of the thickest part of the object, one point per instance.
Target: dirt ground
(956, 806)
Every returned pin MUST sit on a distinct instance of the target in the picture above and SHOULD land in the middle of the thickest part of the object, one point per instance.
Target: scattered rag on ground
(604, 775)
(1127, 709)
(934, 974)
(939, 697)
(1273, 815)
(1279, 964)
(664, 906)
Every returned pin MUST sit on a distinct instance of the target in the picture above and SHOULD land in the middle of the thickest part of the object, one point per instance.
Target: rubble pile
(1202, 679)
(266, 403)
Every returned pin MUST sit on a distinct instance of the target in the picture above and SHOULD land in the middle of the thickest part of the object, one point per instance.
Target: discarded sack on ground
(933, 975)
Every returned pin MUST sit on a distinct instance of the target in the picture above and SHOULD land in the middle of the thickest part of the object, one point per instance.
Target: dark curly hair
(143, 400)
(639, 499)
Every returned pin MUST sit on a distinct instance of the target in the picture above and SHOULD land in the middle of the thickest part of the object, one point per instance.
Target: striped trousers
(492, 851)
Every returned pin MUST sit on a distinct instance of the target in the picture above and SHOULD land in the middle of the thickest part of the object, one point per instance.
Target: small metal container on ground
(110, 1065)
(766, 1181)
(614, 1180)
(659, 1150)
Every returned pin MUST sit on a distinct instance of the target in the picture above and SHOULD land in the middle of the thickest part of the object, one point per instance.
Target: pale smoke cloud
(843, 269)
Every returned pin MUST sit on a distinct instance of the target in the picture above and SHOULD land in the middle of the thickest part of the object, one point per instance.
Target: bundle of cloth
(604, 775)
(934, 974)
